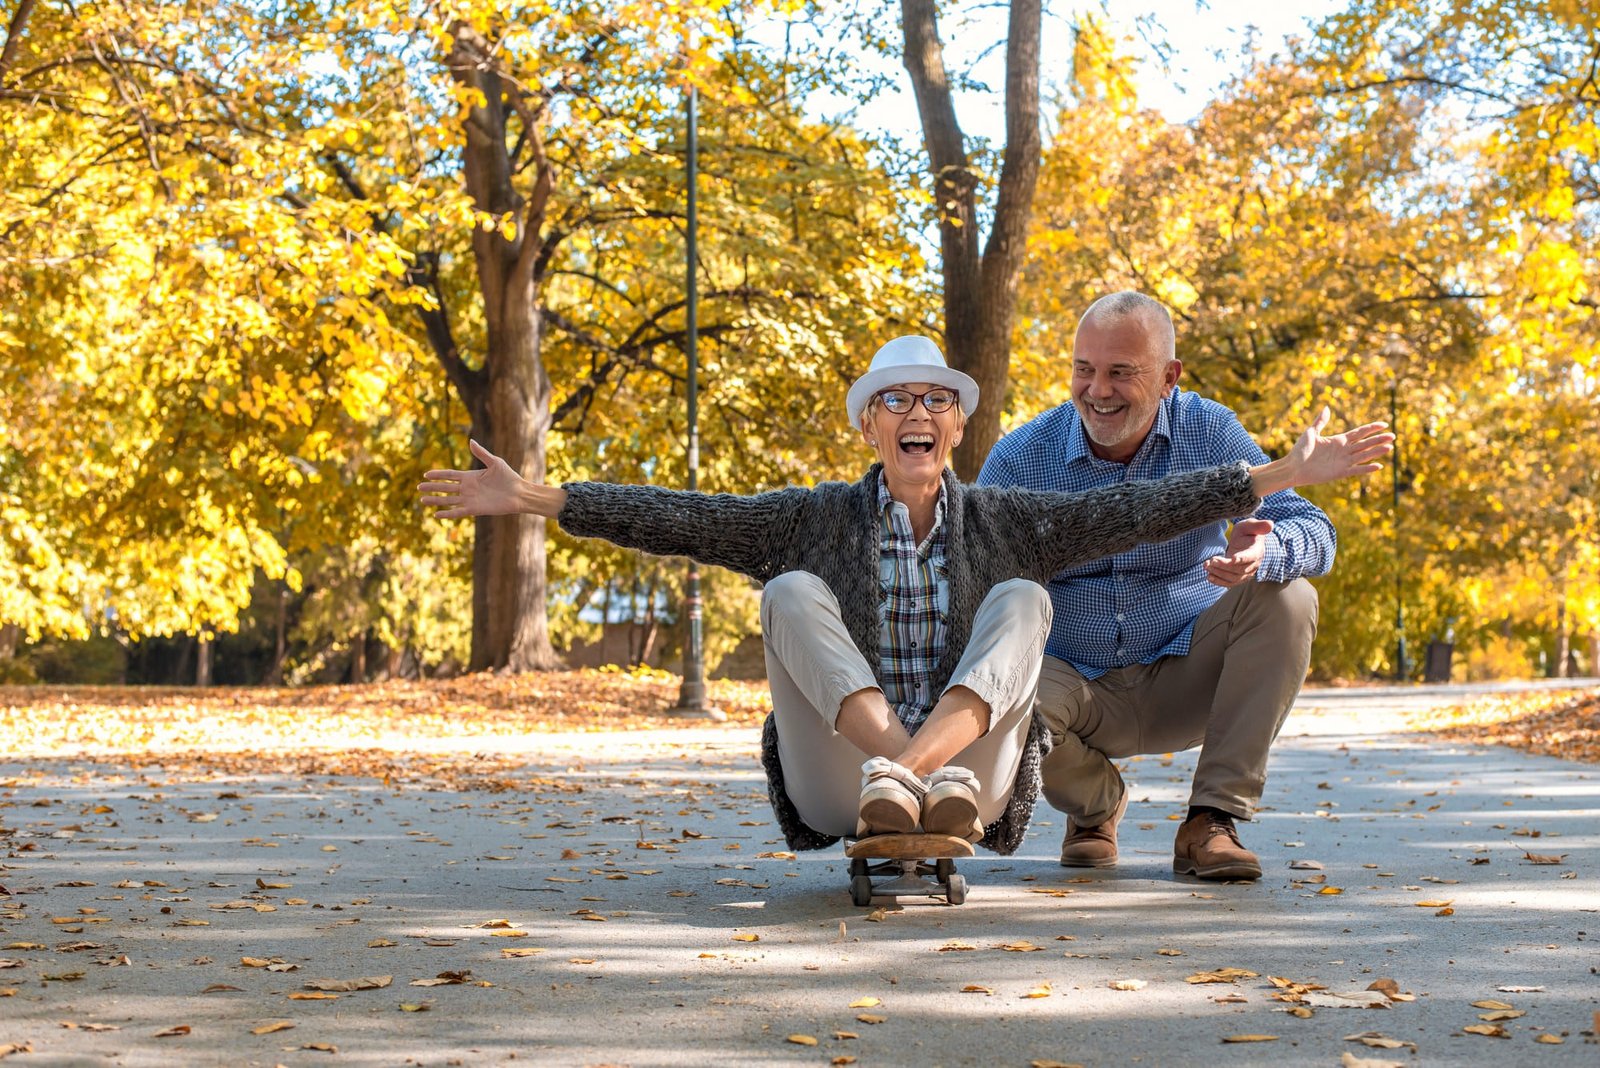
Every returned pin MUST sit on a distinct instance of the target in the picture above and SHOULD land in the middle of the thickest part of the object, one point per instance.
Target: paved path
(633, 905)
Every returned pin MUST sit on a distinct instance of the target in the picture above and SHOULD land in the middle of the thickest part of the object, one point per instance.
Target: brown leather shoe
(1208, 847)
(1093, 847)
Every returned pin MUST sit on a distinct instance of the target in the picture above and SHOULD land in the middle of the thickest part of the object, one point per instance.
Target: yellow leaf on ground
(1022, 946)
(1222, 975)
(748, 937)
(1043, 990)
(1127, 984)
(366, 982)
(870, 1018)
(1431, 904)
(1250, 1038)
(802, 1040)
(268, 1028)
(975, 988)
(1487, 1030)
(1550, 1040)
(865, 1003)
(1491, 1003)
(1331, 890)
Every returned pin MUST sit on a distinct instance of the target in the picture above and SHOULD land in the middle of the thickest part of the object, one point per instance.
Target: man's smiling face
(1119, 376)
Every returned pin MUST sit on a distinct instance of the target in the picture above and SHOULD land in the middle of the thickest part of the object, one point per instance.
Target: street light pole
(1395, 353)
(692, 692)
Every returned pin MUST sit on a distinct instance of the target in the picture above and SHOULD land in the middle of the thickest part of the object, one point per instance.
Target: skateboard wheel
(858, 866)
(943, 868)
(861, 890)
(956, 889)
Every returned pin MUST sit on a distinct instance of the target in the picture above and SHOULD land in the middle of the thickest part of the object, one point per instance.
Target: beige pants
(812, 666)
(1229, 695)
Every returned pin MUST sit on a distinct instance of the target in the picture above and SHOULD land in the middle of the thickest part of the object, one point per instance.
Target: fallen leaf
(1305, 865)
(1350, 1060)
(1431, 904)
(1221, 975)
(1487, 1030)
(1170, 952)
(1378, 1040)
(269, 1028)
(15, 1047)
(367, 982)
(1550, 1040)
(1501, 1014)
(415, 1006)
(1490, 1003)
(174, 1032)
(1019, 947)
(1544, 858)
(974, 988)
(865, 1003)
(748, 937)
(1127, 984)
(321, 1047)
(1250, 1038)
(843, 1035)
(511, 952)
(1053, 1064)
(1355, 999)
(869, 1018)
(802, 1040)
(1330, 890)
(300, 995)
(218, 988)
(1041, 991)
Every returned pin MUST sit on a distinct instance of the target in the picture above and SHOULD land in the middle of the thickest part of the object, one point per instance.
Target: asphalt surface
(632, 903)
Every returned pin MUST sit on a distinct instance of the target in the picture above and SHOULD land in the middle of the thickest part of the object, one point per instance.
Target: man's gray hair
(1149, 312)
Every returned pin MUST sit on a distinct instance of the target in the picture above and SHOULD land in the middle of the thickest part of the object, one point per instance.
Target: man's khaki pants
(1229, 695)
(812, 666)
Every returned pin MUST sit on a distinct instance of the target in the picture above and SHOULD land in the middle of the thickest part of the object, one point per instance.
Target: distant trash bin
(1436, 668)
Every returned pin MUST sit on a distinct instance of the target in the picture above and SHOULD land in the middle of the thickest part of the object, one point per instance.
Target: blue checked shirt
(913, 597)
(1138, 606)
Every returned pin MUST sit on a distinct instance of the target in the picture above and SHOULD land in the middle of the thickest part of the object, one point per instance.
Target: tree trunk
(1558, 669)
(280, 647)
(10, 638)
(509, 399)
(202, 670)
(358, 659)
(979, 289)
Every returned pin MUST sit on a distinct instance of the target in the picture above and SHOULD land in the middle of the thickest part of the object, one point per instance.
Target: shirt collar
(885, 501)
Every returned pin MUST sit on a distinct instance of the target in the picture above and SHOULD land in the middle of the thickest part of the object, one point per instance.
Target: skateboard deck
(908, 865)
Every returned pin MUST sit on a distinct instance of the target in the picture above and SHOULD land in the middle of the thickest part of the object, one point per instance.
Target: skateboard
(905, 862)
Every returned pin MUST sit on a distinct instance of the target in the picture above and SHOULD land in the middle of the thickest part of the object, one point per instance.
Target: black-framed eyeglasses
(900, 401)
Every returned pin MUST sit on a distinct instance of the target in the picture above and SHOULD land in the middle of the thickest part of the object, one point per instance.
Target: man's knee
(1290, 605)
(793, 593)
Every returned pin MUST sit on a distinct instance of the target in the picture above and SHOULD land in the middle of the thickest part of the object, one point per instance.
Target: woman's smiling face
(913, 445)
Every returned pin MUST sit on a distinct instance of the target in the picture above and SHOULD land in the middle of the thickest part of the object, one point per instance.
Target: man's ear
(1170, 375)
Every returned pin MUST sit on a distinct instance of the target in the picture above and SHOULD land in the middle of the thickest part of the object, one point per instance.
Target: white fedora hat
(905, 360)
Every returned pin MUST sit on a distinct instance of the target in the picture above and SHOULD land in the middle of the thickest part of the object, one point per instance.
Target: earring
(872, 441)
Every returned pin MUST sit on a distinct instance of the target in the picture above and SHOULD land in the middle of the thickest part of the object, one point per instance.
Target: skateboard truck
(908, 866)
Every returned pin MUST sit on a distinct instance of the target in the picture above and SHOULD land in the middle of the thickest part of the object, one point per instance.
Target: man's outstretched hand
(1239, 562)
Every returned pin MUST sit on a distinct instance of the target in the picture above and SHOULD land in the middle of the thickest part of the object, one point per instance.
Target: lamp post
(1394, 353)
(692, 692)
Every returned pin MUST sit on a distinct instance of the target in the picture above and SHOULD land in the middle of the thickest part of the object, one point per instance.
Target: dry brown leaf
(321, 1047)
(1250, 1038)
(948, 947)
(366, 982)
(871, 1018)
(300, 995)
(1222, 975)
(1378, 1040)
(801, 1040)
(9, 1048)
(843, 1058)
(1550, 1040)
(1053, 1064)
(511, 952)
(415, 1006)
(177, 1031)
(269, 1028)
(220, 988)
(865, 1003)
(1544, 858)
(1023, 946)
(1043, 990)
(1331, 890)
(1127, 984)
(1487, 1030)
(1350, 1060)
(747, 937)
(974, 988)
(1432, 904)
(1387, 987)
(1491, 1003)
(843, 1035)
(1170, 952)
(1501, 1014)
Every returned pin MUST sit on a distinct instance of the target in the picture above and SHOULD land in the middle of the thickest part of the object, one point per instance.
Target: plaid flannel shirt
(914, 596)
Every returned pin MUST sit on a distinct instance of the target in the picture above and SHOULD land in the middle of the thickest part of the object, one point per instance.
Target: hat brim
(872, 382)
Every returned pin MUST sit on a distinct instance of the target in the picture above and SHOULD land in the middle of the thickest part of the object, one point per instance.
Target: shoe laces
(1221, 823)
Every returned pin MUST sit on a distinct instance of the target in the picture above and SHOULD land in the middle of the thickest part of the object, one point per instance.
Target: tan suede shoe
(1093, 847)
(1208, 847)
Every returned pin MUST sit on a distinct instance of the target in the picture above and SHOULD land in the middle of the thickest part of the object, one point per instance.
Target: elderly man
(1203, 640)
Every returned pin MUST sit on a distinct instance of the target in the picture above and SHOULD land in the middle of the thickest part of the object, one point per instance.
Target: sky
(1204, 36)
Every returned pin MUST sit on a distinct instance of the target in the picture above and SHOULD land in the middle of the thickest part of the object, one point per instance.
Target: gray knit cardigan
(992, 534)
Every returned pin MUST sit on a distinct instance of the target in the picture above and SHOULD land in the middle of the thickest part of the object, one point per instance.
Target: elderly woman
(903, 615)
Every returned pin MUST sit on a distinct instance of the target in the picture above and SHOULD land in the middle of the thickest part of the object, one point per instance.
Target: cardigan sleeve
(1074, 528)
(743, 534)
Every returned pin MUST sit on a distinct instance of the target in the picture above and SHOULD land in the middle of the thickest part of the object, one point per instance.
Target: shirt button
(1121, 617)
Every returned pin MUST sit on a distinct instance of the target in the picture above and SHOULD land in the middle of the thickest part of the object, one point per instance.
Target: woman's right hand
(494, 489)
